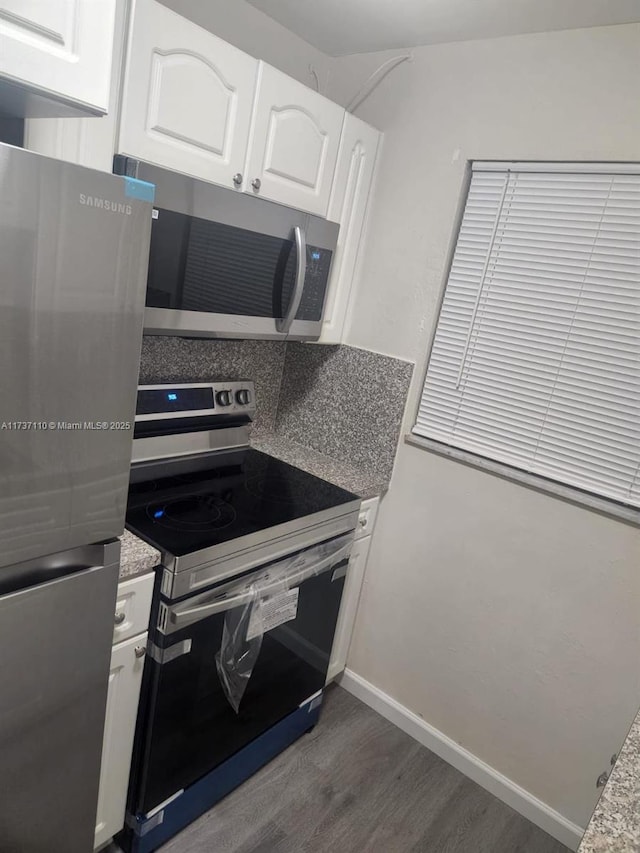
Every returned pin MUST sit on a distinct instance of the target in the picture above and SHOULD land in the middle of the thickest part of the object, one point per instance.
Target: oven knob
(243, 397)
(223, 398)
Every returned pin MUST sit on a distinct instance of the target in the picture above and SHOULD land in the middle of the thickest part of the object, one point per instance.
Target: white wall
(251, 30)
(507, 619)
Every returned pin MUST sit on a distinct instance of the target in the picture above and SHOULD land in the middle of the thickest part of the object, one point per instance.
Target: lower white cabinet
(352, 589)
(349, 607)
(125, 678)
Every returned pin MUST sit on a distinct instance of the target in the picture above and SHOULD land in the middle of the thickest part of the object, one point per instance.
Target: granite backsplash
(342, 402)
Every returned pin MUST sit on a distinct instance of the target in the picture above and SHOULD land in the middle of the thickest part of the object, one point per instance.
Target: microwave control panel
(315, 283)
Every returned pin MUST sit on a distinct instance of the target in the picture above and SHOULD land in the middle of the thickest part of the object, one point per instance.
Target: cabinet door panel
(295, 146)
(188, 97)
(60, 48)
(125, 678)
(294, 143)
(170, 113)
(84, 140)
(348, 607)
(348, 205)
(51, 22)
(133, 605)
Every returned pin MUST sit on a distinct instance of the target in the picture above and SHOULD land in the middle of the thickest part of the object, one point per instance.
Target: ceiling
(340, 27)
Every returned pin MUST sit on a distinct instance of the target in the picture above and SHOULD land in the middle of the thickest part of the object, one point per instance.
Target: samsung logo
(105, 204)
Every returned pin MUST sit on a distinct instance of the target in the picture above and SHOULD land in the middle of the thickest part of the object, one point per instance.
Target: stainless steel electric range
(255, 554)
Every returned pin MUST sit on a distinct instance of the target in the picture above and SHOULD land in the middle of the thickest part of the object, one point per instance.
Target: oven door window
(192, 727)
(200, 265)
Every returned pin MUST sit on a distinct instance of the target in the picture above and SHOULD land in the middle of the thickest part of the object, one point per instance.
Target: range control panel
(158, 402)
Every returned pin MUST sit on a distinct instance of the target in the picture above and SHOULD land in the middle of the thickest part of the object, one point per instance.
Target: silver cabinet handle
(119, 618)
(362, 522)
(237, 179)
(256, 183)
(140, 651)
(284, 324)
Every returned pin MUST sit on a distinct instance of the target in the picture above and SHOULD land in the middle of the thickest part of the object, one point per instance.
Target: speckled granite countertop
(366, 484)
(136, 557)
(615, 825)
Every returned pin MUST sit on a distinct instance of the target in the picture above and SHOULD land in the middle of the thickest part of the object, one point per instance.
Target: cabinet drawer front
(367, 517)
(132, 607)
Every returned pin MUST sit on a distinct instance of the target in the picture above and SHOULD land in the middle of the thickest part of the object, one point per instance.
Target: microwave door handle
(195, 614)
(284, 324)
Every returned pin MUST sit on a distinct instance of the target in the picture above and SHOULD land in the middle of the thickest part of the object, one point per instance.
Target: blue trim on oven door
(145, 834)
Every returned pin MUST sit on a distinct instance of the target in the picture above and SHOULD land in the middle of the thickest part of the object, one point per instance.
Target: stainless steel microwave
(223, 264)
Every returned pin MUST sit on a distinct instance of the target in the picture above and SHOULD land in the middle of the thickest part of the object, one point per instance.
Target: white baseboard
(513, 795)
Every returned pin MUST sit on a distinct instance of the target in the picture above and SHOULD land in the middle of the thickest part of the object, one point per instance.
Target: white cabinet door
(133, 605)
(59, 48)
(89, 141)
(294, 141)
(348, 206)
(348, 607)
(127, 663)
(188, 97)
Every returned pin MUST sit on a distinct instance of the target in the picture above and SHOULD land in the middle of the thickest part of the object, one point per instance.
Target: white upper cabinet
(188, 97)
(197, 105)
(88, 141)
(348, 206)
(55, 56)
(294, 142)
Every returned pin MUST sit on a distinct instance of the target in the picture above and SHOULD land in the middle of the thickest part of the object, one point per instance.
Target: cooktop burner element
(195, 513)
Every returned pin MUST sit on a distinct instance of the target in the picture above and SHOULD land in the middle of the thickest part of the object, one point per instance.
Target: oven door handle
(284, 324)
(179, 616)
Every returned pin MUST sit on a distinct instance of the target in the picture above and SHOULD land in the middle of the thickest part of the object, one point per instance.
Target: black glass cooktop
(243, 492)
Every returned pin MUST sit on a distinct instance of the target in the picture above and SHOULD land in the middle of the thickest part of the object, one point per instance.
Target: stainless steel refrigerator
(73, 267)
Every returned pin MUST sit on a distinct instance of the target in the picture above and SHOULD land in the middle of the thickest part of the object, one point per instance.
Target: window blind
(536, 356)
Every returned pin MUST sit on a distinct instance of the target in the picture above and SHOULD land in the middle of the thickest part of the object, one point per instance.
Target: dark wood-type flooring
(357, 784)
